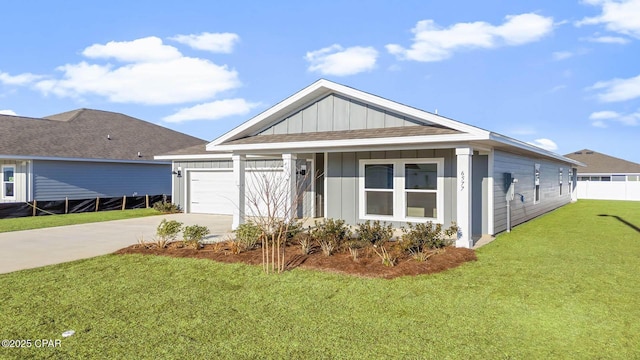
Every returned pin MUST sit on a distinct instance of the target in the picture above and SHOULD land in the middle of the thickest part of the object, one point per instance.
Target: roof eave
(531, 148)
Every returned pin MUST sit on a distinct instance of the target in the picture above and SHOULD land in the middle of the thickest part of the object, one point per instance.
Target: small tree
(273, 205)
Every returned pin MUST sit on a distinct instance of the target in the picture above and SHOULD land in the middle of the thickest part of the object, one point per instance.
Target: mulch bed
(368, 264)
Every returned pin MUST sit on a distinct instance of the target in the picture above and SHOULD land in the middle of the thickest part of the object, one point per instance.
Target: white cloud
(212, 110)
(157, 75)
(546, 144)
(433, 43)
(338, 61)
(602, 118)
(557, 88)
(149, 49)
(618, 89)
(213, 42)
(22, 79)
(8, 112)
(609, 40)
(561, 55)
(620, 16)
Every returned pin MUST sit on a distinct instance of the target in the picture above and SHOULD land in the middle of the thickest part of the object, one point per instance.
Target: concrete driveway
(34, 248)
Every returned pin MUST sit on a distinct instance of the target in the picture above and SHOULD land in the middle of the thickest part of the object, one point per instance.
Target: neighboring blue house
(374, 159)
(84, 154)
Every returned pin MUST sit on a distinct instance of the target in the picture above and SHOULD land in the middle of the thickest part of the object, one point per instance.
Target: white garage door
(210, 192)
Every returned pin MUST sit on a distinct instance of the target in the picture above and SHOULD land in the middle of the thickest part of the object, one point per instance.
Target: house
(606, 177)
(375, 159)
(84, 154)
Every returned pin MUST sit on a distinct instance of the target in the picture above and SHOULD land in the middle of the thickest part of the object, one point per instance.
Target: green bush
(193, 234)
(375, 233)
(247, 235)
(330, 234)
(167, 232)
(417, 238)
(166, 207)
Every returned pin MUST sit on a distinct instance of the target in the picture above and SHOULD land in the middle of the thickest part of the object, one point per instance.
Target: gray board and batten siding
(523, 169)
(342, 195)
(338, 113)
(57, 180)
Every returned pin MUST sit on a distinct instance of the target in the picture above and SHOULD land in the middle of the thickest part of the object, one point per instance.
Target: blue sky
(561, 74)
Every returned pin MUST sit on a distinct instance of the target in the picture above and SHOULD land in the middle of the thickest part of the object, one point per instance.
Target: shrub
(330, 234)
(384, 255)
(247, 236)
(305, 241)
(375, 233)
(167, 232)
(289, 229)
(166, 207)
(424, 236)
(193, 234)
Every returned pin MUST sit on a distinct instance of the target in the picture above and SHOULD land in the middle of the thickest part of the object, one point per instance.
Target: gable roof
(246, 137)
(598, 163)
(88, 134)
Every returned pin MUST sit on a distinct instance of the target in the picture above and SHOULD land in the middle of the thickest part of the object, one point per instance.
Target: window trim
(4, 197)
(399, 191)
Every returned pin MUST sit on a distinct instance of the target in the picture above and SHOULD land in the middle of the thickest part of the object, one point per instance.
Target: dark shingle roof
(598, 163)
(346, 135)
(89, 134)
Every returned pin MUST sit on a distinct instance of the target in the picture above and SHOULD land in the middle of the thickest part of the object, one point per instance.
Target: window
(618, 178)
(402, 189)
(421, 187)
(8, 181)
(583, 178)
(378, 189)
(633, 177)
(603, 178)
(536, 182)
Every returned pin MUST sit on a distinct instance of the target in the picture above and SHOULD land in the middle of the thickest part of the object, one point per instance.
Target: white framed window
(8, 181)
(402, 189)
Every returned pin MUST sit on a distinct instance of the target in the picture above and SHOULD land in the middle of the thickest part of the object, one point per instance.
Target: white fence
(609, 190)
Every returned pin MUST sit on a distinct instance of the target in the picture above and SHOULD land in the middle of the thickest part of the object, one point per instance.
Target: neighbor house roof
(88, 134)
(598, 163)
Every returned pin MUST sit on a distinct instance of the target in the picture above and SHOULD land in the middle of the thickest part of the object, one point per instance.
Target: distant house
(373, 159)
(84, 154)
(606, 177)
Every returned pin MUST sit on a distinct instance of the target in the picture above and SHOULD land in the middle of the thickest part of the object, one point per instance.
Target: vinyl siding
(336, 113)
(522, 169)
(21, 181)
(342, 194)
(56, 180)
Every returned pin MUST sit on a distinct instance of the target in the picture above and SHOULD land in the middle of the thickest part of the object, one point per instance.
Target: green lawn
(563, 286)
(38, 222)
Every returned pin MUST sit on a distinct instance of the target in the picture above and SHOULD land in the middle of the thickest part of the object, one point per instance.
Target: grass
(562, 286)
(39, 222)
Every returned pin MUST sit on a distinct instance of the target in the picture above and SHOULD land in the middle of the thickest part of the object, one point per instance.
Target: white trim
(464, 196)
(325, 206)
(537, 171)
(367, 142)
(399, 191)
(3, 181)
(312, 172)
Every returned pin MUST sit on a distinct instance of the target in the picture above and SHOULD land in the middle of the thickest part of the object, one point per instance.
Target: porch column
(463, 190)
(289, 167)
(239, 163)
